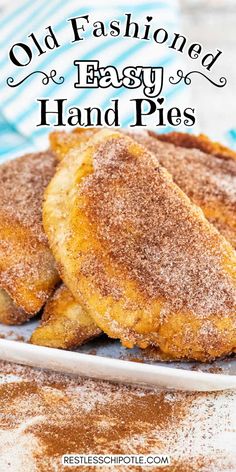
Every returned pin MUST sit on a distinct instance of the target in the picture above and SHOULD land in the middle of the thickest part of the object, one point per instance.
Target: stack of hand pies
(131, 235)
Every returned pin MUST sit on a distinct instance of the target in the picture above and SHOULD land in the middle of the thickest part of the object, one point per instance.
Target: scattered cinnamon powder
(49, 415)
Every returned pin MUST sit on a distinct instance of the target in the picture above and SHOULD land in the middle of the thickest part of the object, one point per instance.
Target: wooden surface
(213, 24)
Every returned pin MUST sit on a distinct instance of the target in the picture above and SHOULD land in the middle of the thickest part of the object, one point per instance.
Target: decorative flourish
(45, 80)
(188, 81)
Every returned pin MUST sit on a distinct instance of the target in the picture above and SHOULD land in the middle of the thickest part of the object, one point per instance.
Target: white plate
(108, 365)
(103, 359)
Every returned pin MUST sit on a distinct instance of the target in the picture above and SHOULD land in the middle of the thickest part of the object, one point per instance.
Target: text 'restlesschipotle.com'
(157, 460)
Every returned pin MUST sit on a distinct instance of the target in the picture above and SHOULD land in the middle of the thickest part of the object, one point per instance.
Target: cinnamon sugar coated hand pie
(10, 313)
(61, 142)
(208, 178)
(27, 268)
(191, 141)
(137, 253)
(65, 323)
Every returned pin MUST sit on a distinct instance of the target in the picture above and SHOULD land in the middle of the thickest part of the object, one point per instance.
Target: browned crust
(203, 179)
(62, 142)
(207, 179)
(191, 141)
(22, 185)
(10, 313)
(146, 263)
(27, 268)
(65, 323)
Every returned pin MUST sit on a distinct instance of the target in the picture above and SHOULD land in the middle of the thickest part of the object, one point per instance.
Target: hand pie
(27, 268)
(10, 313)
(201, 142)
(61, 142)
(207, 177)
(139, 255)
(65, 324)
(209, 180)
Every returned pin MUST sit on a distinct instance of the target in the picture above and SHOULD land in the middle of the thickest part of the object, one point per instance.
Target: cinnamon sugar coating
(207, 177)
(27, 269)
(10, 313)
(61, 142)
(208, 180)
(22, 184)
(143, 259)
(65, 323)
(201, 142)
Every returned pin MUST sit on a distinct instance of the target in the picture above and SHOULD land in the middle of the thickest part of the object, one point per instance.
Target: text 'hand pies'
(141, 257)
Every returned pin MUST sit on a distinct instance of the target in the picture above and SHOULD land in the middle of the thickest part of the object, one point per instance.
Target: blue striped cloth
(231, 136)
(19, 111)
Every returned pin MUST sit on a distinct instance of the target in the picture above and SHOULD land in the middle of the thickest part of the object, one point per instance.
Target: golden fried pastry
(61, 142)
(27, 268)
(10, 313)
(208, 180)
(143, 260)
(65, 324)
(201, 142)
